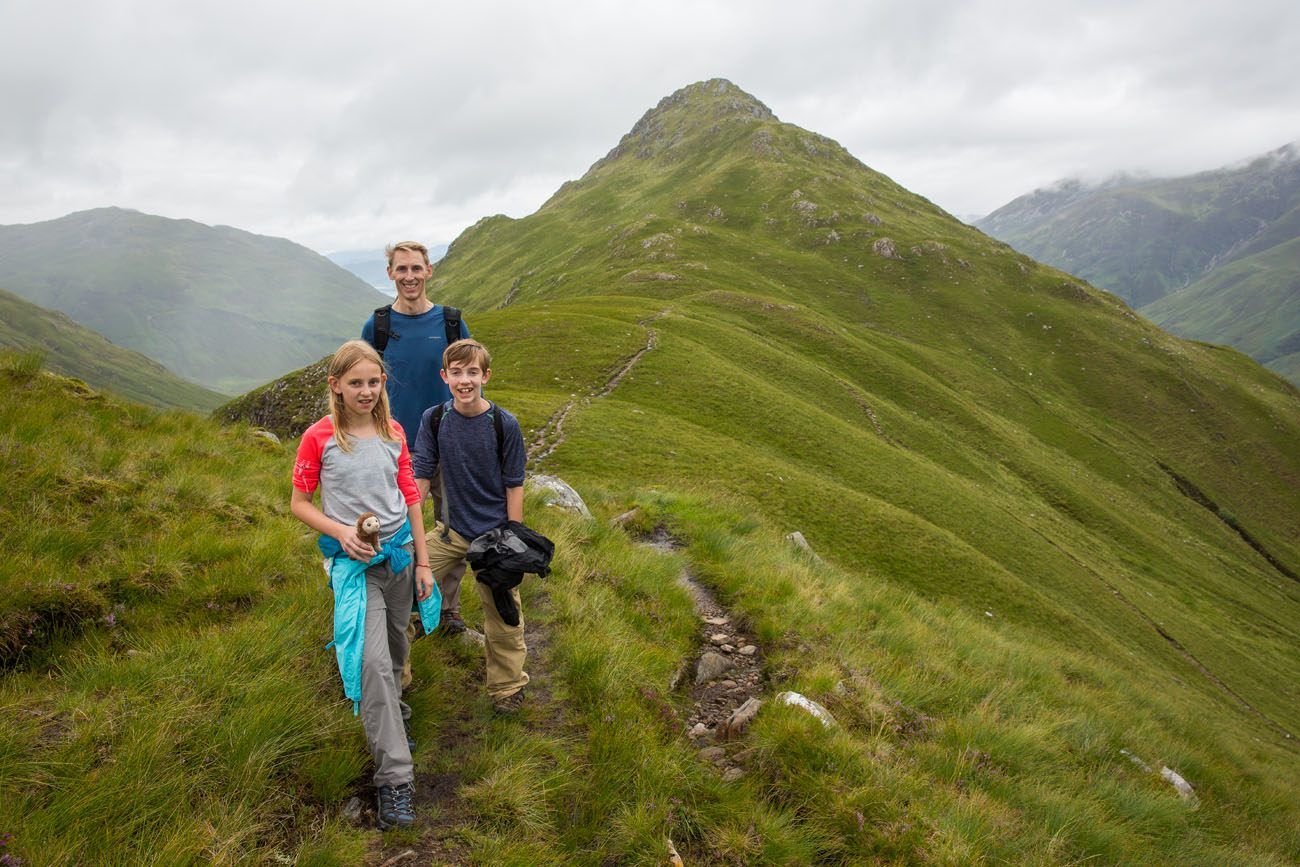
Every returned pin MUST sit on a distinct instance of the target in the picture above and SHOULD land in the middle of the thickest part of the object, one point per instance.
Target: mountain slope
(1182, 249)
(75, 351)
(1046, 530)
(225, 308)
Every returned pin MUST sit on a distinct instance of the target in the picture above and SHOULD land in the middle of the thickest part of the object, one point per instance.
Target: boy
(483, 488)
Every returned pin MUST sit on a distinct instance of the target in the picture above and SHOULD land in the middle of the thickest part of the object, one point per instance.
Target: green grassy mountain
(225, 308)
(73, 350)
(1209, 256)
(1047, 533)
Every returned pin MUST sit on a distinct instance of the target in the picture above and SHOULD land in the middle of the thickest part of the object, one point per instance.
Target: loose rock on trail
(725, 678)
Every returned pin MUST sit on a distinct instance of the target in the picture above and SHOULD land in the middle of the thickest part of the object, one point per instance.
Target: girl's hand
(423, 582)
(352, 544)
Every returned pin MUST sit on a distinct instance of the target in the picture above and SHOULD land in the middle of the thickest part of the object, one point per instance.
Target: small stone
(1185, 790)
(719, 638)
(727, 648)
(801, 701)
(727, 684)
(717, 621)
(712, 754)
(732, 774)
(473, 637)
(711, 666)
(741, 718)
(352, 810)
(748, 650)
(699, 730)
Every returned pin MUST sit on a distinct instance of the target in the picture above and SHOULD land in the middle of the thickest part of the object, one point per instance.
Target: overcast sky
(343, 126)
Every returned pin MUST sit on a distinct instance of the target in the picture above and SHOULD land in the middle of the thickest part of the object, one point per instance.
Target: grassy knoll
(73, 350)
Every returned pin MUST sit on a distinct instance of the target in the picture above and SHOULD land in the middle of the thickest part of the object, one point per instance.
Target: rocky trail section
(724, 679)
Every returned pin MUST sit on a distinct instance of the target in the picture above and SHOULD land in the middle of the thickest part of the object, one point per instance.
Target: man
(417, 337)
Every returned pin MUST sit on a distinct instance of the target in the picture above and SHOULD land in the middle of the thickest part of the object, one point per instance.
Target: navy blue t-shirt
(412, 360)
(474, 480)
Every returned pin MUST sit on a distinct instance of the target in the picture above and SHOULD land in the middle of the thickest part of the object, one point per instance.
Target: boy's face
(465, 379)
(408, 273)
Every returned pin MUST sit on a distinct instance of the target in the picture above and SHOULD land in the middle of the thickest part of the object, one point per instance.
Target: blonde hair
(348, 356)
(408, 246)
(466, 351)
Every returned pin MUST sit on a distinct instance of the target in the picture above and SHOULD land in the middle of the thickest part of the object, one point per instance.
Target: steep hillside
(1203, 256)
(75, 351)
(225, 308)
(1048, 536)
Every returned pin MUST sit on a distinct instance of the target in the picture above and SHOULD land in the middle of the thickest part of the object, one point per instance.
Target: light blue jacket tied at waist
(348, 581)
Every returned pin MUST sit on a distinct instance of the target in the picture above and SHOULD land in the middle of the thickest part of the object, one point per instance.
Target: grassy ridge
(1028, 500)
(73, 350)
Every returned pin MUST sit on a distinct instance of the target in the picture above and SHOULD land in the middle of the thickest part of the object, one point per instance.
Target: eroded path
(725, 677)
(551, 436)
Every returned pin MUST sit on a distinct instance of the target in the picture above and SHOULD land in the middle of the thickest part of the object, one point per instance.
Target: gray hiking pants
(389, 597)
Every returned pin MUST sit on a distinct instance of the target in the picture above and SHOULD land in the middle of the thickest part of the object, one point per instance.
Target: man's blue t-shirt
(474, 479)
(412, 360)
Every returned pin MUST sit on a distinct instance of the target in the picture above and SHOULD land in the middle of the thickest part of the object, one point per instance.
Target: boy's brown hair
(466, 351)
(410, 247)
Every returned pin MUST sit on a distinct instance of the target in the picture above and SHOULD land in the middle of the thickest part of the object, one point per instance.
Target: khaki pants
(504, 647)
(448, 586)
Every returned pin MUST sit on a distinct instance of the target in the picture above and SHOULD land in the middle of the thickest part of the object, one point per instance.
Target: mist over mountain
(76, 351)
(220, 306)
(1208, 256)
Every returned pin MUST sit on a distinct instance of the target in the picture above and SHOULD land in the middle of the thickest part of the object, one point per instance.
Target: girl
(357, 456)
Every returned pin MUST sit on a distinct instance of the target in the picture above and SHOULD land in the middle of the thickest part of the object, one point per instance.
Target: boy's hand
(423, 582)
(352, 544)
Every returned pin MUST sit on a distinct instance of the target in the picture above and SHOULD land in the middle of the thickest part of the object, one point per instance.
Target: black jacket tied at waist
(500, 558)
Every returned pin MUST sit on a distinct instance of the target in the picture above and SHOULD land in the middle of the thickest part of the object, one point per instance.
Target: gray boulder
(559, 493)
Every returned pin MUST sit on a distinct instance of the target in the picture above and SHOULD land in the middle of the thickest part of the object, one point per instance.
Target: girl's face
(360, 387)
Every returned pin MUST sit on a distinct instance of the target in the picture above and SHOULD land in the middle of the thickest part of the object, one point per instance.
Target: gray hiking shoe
(396, 809)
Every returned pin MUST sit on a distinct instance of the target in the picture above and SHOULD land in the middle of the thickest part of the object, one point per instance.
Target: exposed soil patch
(724, 678)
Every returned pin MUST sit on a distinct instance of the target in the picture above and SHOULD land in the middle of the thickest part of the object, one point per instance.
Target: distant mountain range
(1212, 256)
(74, 350)
(226, 308)
(372, 266)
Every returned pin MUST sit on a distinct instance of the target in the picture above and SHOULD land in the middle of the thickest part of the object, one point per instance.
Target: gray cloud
(342, 128)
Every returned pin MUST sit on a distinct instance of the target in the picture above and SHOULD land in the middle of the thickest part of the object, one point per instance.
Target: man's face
(408, 273)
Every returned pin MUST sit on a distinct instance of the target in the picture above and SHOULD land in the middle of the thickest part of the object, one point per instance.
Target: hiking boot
(451, 624)
(395, 807)
(510, 704)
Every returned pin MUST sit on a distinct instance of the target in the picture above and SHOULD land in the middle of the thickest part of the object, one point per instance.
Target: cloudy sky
(344, 125)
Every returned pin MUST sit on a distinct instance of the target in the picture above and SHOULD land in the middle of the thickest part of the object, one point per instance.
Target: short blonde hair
(408, 246)
(466, 351)
(348, 356)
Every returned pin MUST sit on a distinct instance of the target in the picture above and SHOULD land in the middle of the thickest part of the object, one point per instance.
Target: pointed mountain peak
(700, 108)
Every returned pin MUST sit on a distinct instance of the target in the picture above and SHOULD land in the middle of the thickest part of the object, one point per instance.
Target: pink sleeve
(306, 468)
(405, 476)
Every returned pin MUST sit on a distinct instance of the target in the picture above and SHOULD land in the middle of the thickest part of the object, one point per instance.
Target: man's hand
(423, 582)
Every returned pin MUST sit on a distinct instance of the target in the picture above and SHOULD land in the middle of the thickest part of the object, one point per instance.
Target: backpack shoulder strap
(499, 426)
(451, 319)
(383, 328)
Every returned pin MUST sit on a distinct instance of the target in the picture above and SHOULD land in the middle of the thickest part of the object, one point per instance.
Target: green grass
(73, 350)
(982, 451)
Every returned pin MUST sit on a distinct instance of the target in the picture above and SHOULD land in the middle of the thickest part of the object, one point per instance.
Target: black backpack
(384, 326)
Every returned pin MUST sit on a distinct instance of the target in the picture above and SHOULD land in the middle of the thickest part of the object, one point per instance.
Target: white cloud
(344, 126)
